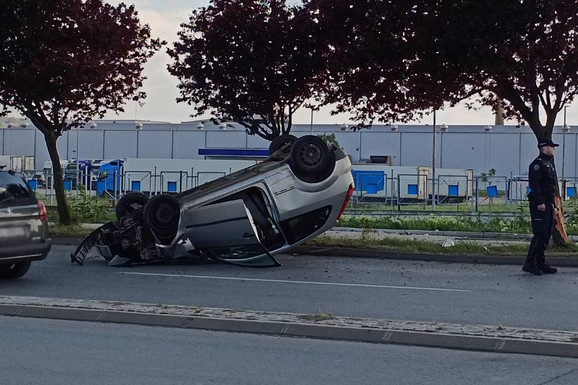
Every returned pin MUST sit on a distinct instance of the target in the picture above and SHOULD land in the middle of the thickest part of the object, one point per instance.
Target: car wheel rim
(311, 155)
(165, 215)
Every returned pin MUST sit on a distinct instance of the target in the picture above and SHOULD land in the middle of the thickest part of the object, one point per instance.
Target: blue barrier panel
(492, 191)
(172, 186)
(100, 187)
(453, 190)
(135, 185)
(571, 192)
(412, 189)
(528, 189)
(370, 181)
(67, 185)
(371, 188)
(33, 183)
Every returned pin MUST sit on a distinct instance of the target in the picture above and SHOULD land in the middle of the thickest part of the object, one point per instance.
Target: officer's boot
(531, 267)
(545, 268)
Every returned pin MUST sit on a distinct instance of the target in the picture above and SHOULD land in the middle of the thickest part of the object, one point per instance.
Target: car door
(226, 232)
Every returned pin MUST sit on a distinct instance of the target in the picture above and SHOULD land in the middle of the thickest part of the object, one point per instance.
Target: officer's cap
(547, 142)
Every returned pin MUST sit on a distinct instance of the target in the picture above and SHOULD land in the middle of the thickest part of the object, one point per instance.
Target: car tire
(124, 205)
(280, 141)
(161, 215)
(14, 270)
(310, 155)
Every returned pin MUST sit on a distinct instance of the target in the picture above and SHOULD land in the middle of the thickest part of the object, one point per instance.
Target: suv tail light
(42, 211)
(345, 202)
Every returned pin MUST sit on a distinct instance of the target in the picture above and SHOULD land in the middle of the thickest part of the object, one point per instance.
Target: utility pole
(565, 129)
(433, 181)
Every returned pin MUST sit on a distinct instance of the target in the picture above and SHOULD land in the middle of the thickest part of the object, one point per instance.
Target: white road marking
(297, 282)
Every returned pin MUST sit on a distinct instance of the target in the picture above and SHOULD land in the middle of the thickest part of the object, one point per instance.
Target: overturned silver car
(244, 218)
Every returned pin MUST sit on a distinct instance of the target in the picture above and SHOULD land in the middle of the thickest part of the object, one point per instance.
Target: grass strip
(465, 247)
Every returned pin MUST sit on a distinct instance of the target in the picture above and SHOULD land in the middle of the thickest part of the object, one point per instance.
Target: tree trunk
(57, 180)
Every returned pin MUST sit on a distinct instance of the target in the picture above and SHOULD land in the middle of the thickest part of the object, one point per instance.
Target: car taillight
(42, 211)
(345, 202)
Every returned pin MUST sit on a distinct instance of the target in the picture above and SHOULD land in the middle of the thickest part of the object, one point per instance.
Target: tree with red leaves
(393, 60)
(248, 61)
(64, 62)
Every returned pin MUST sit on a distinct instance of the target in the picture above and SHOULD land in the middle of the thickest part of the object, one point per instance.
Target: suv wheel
(14, 270)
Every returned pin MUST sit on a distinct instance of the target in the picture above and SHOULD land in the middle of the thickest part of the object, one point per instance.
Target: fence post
(477, 194)
(398, 195)
(391, 189)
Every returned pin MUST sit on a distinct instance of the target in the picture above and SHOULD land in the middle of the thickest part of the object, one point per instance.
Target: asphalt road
(374, 288)
(38, 351)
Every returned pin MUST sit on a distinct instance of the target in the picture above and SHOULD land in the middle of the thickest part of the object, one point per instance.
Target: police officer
(543, 179)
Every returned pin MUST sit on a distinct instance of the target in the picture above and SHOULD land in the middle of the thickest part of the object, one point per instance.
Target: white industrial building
(507, 149)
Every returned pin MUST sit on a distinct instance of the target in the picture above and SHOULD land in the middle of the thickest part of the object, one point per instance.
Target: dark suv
(23, 226)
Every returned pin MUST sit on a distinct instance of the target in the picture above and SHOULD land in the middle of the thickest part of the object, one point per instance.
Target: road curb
(395, 255)
(451, 258)
(506, 340)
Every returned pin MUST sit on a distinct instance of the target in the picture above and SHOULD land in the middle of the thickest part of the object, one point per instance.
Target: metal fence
(144, 181)
(411, 192)
(374, 190)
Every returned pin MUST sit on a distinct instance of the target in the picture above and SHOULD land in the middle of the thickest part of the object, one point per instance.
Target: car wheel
(161, 215)
(310, 155)
(281, 141)
(129, 203)
(14, 270)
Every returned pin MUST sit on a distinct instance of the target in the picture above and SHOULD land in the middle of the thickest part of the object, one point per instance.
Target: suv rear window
(14, 189)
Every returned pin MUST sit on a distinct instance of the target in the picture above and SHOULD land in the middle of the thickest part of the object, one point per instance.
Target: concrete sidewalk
(487, 338)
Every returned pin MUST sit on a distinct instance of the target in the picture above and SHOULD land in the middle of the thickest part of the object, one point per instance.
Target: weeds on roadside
(418, 246)
(520, 224)
(89, 208)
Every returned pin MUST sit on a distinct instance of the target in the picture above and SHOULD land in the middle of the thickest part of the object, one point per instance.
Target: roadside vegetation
(409, 245)
(519, 223)
(89, 211)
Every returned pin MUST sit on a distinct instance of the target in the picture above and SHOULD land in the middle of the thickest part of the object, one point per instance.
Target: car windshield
(13, 188)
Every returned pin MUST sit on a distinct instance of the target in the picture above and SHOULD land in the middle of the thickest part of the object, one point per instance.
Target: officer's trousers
(542, 228)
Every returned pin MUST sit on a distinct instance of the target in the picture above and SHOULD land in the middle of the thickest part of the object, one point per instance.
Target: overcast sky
(165, 17)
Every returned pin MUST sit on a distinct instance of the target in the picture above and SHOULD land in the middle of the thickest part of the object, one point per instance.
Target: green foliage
(426, 246)
(89, 208)
(518, 224)
(330, 140)
(485, 176)
(571, 223)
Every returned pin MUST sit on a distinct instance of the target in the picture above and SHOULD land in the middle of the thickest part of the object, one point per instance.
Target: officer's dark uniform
(543, 179)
